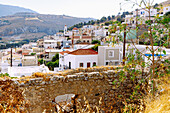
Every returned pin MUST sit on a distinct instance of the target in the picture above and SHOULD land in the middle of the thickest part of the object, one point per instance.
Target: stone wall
(41, 91)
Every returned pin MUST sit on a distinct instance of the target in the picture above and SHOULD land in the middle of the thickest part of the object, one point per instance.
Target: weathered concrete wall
(41, 91)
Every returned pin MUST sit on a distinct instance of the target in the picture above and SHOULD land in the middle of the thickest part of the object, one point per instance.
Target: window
(88, 64)
(81, 64)
(116, 63)
(94, 63)
(87, 40)
(107, 34)
(107, 63)
(133, 21)
(69, 65)
(111, 53)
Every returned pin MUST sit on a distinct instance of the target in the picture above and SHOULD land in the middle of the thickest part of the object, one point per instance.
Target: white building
(83, 46)
(51, 52)
(29, 60)
(53, 41)
(143, 15)
(144, 12)
(108, 55)
(166, 9)
(65, 30)
(26, 46)
(16, 59)
(50, 44)
(27, 70)
(101, 32)
(79, 58)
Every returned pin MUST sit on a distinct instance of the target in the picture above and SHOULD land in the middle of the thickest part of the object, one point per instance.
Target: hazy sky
(77, 8)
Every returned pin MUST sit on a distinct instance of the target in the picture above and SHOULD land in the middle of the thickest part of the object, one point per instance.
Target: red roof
(25, 53)
(75, 37)
(83, 52)
(87, 37)
(64, 52)
(75, 28)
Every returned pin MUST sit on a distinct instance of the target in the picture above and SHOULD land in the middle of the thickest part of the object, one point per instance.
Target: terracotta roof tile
(87, 37)
(83, 52)
(25, 53)
(64, 52)
(76, 37)
(75, 28)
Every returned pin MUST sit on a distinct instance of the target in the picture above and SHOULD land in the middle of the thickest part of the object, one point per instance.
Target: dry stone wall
(40, 92)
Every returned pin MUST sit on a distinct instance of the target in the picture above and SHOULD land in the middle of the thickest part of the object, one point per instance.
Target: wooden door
(88, 64)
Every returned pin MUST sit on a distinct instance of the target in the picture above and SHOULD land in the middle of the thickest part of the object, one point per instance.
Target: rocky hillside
(21, 24)
(6, 10)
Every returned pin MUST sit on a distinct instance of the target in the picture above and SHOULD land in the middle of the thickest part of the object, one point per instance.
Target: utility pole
(124, 44)
(11, 56)
(92, 35)
(73, 40)
(137, 26)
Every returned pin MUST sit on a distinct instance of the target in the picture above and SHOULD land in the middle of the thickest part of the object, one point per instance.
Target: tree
(158, 35)
(96, 42)
(119, 19)
(51, 65)
(98, 21)
(61, 31)
(106, 23)
(103, 19)
(85, 23)
(33, 54)
(56, 57)
(95, 47)
(156, 5)
(113, 16)
(41, 61)
(108, 18)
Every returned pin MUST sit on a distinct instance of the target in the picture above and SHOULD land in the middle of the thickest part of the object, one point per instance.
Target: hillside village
(117, 65)
(74, 48)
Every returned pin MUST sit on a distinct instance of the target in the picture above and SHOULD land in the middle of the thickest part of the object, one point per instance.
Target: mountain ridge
(24, 23)
(6, 10)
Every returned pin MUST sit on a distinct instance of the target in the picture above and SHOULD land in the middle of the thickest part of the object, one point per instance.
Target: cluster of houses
(74, 49)
(143, 14)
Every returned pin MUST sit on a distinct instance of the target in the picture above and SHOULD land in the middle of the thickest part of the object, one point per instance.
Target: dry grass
(161, 103)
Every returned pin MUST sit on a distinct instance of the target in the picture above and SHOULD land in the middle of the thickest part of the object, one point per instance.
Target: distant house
(40, 43)
(75, 30)
(16, 59)
(83, 46)
(143, 14)
(50, 44)
(26, 70)
(84, 39)
(51, 52)
(79, 58)
(28, 60)
(66, 43)
(26, 46)
(26, 51)
(52, 41)
(166, 9)
(109, 55)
